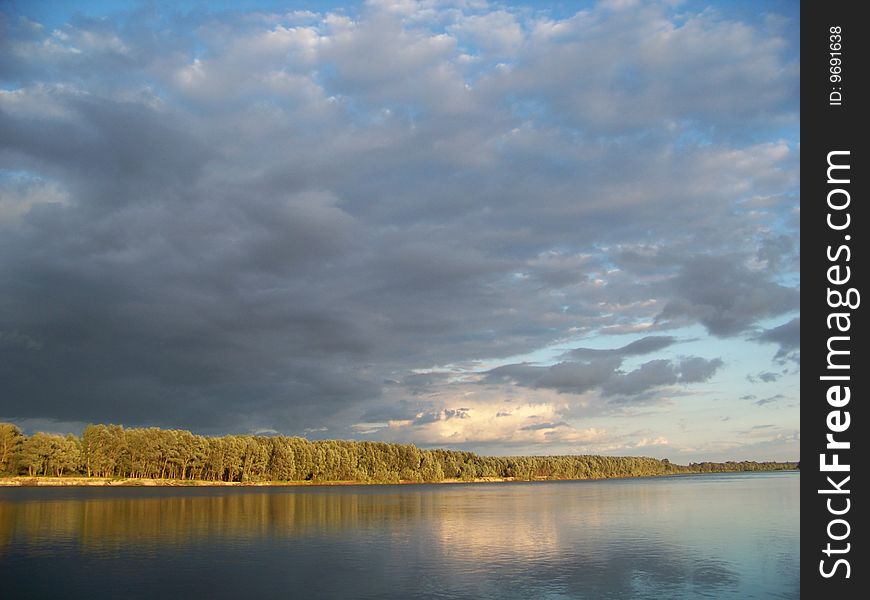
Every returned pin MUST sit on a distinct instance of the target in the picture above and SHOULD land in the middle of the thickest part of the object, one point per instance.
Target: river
(698, 536)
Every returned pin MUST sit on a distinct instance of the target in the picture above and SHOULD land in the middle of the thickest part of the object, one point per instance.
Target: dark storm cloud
(253, 223)
(106, 144)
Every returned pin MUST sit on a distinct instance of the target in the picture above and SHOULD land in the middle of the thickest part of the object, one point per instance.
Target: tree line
(117, 452)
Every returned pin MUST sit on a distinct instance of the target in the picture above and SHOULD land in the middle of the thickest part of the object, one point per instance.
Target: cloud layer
(319, 220)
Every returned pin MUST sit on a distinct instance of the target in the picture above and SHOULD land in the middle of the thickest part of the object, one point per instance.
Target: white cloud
(497, 32)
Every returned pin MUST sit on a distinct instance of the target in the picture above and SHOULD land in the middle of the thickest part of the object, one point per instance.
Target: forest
(114, 451)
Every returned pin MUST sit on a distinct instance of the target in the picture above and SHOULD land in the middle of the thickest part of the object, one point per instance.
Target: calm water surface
(711, 536)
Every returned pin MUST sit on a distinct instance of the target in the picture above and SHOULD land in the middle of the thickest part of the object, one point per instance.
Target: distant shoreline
(25, 481)
(110, 455)
(47, 481)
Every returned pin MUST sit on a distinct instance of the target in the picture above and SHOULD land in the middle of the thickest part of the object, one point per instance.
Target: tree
(111, 450)
(282, 466)
(10, 440)
(34, 453)
(69, 456)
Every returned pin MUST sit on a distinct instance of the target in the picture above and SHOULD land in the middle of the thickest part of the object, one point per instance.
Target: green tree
(111, 450)
(10, 439)
(34, 453)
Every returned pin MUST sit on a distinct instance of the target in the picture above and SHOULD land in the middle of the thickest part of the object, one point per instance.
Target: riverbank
(43, 481)
(24, 481)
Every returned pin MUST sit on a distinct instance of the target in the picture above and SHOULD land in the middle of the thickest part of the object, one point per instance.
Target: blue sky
(507, 227)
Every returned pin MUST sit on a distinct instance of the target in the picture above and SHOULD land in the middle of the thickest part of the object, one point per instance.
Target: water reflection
(717, 537)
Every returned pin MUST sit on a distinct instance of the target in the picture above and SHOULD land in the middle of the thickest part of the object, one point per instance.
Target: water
(711, 536)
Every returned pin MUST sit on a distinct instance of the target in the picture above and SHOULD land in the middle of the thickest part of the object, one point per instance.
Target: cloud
(696, 369)
(729, 302)
(541, 426)
(659, 69)
(497, 32)
(660, 372)
(651, 374)
(516, 374)
(764, 377)
(645, 345)
(788, 337)
(578, 377)
(493, 420)
(602, 371)
(421, 383)
(289, 222)
(769, 400)
(456, 413)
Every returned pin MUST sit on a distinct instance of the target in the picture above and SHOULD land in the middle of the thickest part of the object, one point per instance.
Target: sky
(511, 228)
